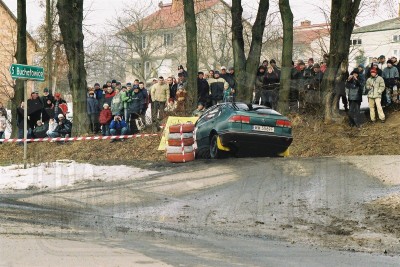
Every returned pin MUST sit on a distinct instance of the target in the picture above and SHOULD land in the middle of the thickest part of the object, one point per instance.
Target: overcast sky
(101, 10)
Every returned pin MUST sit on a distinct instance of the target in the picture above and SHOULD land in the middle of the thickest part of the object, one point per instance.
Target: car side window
(213, 113)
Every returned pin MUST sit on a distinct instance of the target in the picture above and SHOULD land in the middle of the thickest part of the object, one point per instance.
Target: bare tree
(246, 68)
(191, 46)
(70, 22)
(287, 51)
(343, 15)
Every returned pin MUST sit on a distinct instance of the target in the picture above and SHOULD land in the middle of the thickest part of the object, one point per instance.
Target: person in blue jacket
(118, 126)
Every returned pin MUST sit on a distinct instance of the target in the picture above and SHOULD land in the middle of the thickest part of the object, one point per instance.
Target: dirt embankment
(312, 138)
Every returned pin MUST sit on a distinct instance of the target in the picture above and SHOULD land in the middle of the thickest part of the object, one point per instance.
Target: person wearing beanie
(354, 93)
(375, 86)
(105, 119)
(93, 111)
(390, 75)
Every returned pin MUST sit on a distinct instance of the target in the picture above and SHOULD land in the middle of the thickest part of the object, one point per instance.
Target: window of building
(168, 39)
(147, 69)
(137, 65)
(143, 42)
(396, 38)
(356, 42)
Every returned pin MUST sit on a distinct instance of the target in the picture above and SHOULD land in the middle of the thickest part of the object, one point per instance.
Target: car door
(205, 125)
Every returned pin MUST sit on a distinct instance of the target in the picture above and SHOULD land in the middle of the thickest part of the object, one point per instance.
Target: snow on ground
(64, 173)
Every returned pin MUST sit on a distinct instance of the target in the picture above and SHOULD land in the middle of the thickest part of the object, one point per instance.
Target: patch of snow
(65, 173)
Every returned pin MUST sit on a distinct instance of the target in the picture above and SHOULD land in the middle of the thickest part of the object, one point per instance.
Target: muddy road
(235, 212)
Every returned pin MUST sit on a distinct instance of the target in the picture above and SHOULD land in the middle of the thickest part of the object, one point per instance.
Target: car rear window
(257, 108)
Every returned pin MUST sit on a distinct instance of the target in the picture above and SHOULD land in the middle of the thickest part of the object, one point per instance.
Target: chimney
(305, 23)
(160, 4)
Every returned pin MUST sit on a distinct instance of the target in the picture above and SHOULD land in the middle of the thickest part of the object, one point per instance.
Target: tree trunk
(246, 69)
(49, 43)
(287, 55)
(21, 59)
(343, 16)
(191, 50)
(239, 58)
(70, 22)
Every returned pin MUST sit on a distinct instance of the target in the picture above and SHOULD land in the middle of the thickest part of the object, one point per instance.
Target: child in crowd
(228, 93)
(105, 119)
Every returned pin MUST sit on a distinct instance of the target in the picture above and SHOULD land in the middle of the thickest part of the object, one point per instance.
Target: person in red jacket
(105, 118)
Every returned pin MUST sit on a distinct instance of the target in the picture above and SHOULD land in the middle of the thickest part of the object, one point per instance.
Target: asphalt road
(234, 212)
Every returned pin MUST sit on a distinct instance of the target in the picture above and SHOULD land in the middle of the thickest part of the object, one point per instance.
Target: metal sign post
(25, 123)
(26, 72)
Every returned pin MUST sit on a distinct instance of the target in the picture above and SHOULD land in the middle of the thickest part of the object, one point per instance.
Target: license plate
(263, 128)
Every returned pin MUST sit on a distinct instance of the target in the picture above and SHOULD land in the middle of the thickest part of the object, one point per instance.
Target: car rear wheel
(215, 152)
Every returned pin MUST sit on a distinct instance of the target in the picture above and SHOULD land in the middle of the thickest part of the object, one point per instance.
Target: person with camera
(354, 91)
(375, 87)
(118, 126)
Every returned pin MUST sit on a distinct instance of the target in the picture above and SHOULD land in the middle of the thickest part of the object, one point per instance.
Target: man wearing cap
(375, 87)
(63, 128)
(217, 85)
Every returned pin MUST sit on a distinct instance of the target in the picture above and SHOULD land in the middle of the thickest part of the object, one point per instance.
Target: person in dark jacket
(118, 126)
(146, 100)
(135, 105)
(217, 85)
(354, 92)
(48, 105)
(93, 111)
(98, 93)
(63, 128)
(203, 90)
(227, 77)
(269, 95)
(40, 130)
(35, 108)
(173, 87)
(259, 85)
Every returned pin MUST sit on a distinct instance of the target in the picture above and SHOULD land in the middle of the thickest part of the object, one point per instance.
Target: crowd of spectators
(116, 109)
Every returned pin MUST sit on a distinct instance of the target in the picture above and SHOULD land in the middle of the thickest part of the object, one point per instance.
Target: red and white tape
(84, 138)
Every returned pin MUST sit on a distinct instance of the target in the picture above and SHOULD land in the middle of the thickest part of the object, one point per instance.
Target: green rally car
(243, 130)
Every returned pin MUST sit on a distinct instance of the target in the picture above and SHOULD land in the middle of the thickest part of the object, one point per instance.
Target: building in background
(160, 41)
(8, 46)
(310, 41)
(382, 38)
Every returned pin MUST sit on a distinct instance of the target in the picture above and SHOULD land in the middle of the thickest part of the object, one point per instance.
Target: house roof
(391, 24)
(168, 18)
(307, 34)
(15, 19)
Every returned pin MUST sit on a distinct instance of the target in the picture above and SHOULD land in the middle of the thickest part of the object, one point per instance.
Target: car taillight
(238, 118)
(283, 123)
